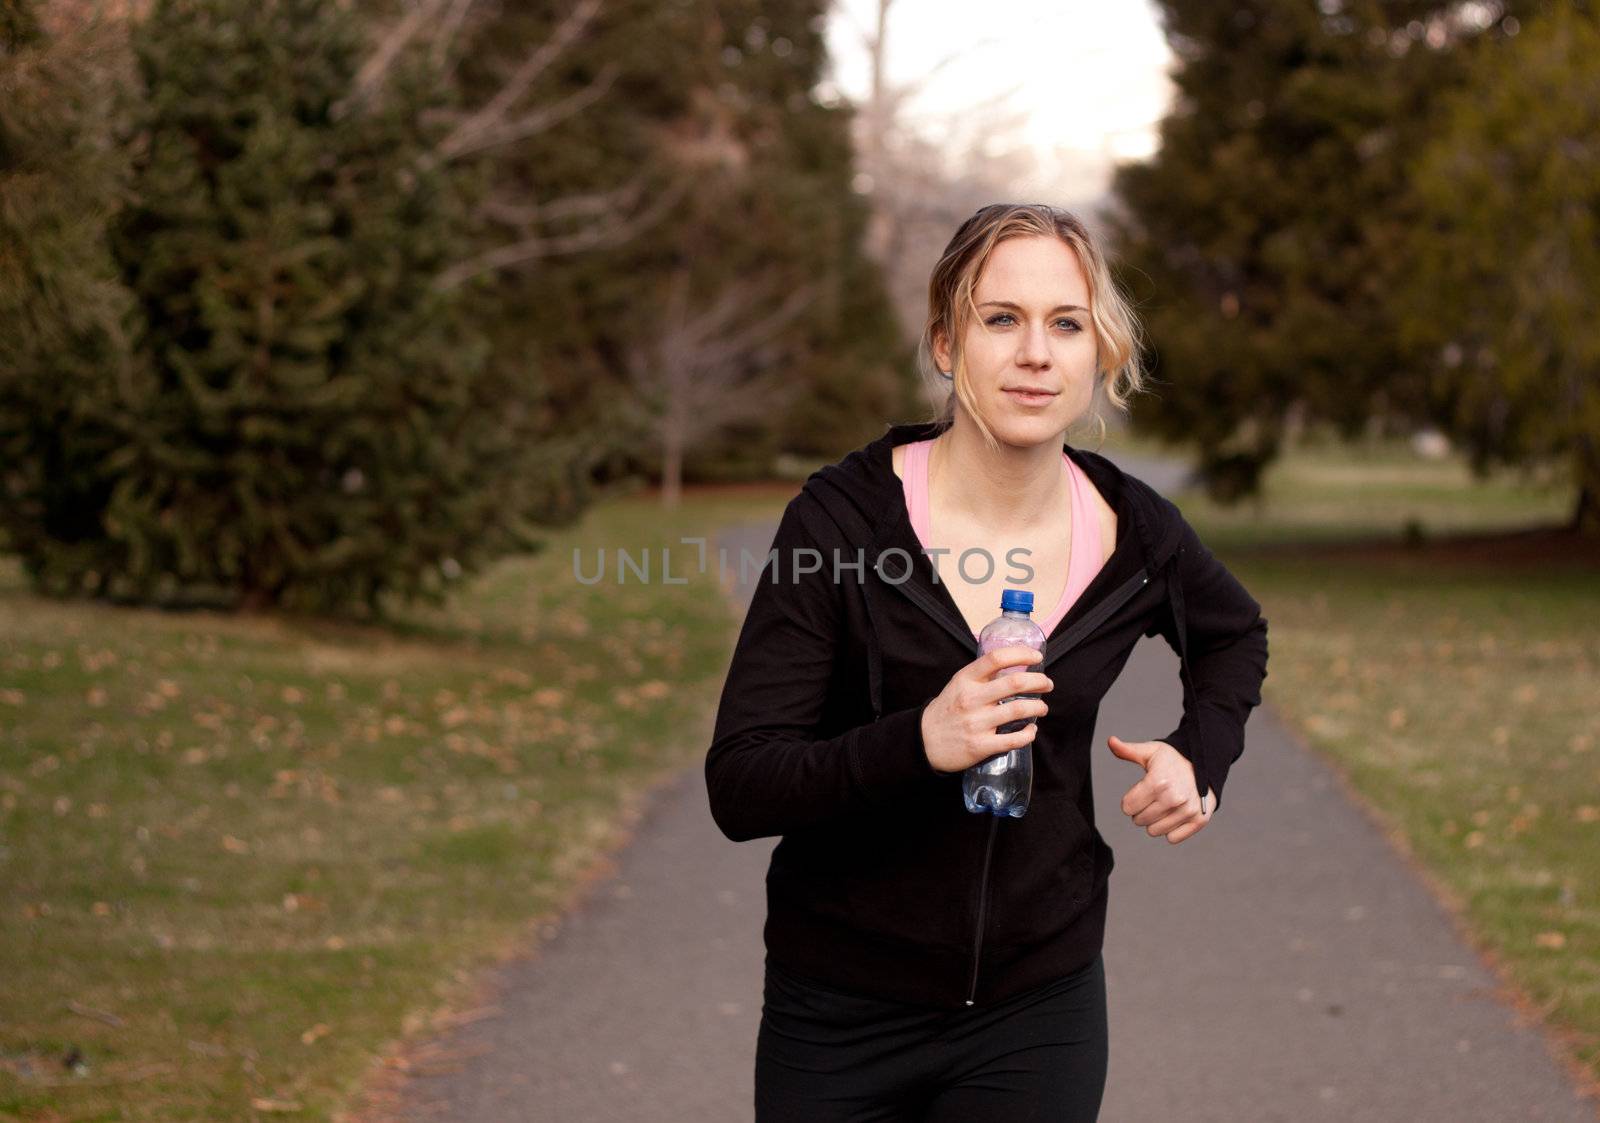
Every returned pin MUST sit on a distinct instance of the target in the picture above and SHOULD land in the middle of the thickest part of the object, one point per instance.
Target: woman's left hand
(1166, 801)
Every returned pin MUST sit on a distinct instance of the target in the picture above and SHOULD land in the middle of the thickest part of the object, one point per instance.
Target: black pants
(827, 1057)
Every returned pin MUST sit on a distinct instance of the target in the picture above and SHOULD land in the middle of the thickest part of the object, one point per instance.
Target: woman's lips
(1028, 399)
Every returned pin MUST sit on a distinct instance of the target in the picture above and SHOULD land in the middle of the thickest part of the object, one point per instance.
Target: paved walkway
(1285, 964)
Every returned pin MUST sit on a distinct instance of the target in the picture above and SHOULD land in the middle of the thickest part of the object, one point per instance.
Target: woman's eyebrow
(1019, 308)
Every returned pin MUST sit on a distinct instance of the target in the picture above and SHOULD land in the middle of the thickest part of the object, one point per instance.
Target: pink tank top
(1083, 559)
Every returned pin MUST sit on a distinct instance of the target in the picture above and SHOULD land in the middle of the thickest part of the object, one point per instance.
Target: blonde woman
(924, 962)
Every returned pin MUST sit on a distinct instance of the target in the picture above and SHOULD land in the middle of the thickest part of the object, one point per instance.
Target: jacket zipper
(1056, 648)
(983, 908)
(1076, 634)
(1061, 645)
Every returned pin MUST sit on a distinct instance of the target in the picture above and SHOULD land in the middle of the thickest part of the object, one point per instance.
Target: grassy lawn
(238, 856)
(1455, 684)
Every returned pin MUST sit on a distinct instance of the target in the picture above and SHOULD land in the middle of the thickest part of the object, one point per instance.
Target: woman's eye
(1072, 324)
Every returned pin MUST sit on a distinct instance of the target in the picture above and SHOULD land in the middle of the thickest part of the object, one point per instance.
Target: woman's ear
(941, 352)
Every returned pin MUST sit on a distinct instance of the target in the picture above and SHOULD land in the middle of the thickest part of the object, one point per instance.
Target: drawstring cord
(1190, 700)
(874, 658)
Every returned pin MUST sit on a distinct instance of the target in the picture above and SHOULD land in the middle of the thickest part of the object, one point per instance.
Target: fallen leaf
(261, 1103)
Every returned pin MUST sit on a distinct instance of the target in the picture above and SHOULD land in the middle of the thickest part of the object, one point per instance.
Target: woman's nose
(1035, 347)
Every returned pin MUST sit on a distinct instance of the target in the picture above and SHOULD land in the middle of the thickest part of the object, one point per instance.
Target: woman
(924, 962)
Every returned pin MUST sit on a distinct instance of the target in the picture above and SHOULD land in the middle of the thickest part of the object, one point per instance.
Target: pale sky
(1089, 75)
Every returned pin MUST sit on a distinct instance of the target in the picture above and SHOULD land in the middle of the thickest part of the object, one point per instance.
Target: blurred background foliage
(1373, 215)
(307, 304)
(311, 305)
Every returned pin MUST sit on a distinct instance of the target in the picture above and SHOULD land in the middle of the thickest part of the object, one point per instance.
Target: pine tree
(320, 433)
(1261, 237)
(68, 385)
(1502, 260)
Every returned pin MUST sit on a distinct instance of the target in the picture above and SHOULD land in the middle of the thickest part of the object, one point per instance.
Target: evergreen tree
(1502, 260)
(321, 432)
(1261, 236)
(67, 384)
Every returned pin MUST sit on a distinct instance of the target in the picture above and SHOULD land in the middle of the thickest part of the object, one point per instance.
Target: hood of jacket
(865, 498)
(864, 482)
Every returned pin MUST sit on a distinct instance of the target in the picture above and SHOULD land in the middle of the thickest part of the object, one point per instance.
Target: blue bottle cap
(1016, 600)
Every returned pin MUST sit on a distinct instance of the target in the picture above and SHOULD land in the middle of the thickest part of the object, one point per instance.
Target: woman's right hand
(958, 727)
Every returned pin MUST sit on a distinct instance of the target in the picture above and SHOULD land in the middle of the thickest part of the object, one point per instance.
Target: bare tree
(921, 189)
(609, 218)
(710, 365)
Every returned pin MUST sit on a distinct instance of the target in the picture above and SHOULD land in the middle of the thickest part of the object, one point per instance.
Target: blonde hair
(951, 308)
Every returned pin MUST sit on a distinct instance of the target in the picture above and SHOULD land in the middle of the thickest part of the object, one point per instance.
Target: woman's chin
(1036, 429)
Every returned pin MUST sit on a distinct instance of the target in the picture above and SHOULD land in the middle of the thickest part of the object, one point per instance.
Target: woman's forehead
(1034, 273)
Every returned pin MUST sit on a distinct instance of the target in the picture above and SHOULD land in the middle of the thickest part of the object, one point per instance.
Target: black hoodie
(883, 884)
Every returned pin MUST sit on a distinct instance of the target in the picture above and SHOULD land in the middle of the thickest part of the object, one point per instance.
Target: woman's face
(1033, 331)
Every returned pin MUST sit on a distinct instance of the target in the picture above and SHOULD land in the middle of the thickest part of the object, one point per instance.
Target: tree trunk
(1586, 512)
(253, 602)
(671, 471)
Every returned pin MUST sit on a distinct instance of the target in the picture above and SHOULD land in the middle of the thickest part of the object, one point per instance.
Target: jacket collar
(865, 479)
(864, 496)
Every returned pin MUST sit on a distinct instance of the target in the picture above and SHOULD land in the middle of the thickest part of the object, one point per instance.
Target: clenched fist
(1166, 801)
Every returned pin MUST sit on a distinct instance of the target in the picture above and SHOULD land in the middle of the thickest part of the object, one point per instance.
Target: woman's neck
(1005, 489)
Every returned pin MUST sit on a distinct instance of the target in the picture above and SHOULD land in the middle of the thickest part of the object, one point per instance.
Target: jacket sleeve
(767, 772)
(1227, 661)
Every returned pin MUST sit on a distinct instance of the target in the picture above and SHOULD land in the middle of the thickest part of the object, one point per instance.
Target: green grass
(1454, 684)
(239, 856)
(1325, 491)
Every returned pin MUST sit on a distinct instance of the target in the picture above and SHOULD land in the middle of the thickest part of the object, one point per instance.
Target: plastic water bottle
(1001, 785)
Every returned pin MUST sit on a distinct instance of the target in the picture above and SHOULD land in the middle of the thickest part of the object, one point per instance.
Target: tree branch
(492, 117)
(478, 131)
(372, 73)
(604, 234)
(525, 215)
(447, 33)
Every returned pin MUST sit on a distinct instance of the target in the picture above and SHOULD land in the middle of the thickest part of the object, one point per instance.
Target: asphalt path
(1285, 964)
